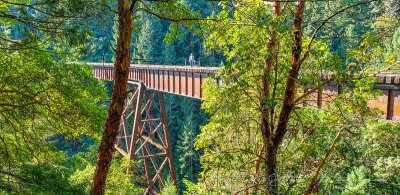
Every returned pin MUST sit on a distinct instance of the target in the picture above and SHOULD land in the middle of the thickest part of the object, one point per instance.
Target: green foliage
(184, 118)
(394, 44)
(148, 46)
(199, 188)
(42, 97)
(169, 53)
(357, 182)
(388, 170)
(44, 100)
(49, 177)
(188, 156)
(54, 100)
(102, 42)
(57, 24)
(346, 29)
(233, 160)
(124, 175)
(169, 188)
(149, 42)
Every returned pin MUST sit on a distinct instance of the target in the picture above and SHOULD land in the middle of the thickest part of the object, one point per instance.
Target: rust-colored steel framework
(144, 135)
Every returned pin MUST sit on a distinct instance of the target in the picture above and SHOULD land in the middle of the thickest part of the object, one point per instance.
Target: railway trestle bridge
(144, 130)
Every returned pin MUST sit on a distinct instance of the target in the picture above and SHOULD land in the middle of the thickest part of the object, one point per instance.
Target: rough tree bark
(268, 111)
(121, 69)
(275, 139)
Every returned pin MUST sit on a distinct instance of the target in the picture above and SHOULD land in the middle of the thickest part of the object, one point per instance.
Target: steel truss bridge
(144, 131)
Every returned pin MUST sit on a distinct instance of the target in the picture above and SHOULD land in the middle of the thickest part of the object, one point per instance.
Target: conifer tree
(357, 182)
(188, 156)
(149, 42)
(169, 53)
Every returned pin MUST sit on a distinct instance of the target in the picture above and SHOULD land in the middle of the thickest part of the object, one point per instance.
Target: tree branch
(313, 181)
(290, 89)
(147, 9)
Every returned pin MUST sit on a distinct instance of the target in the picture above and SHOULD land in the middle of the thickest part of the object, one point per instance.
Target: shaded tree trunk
(270, 169)
(121, 69)
(275, 137)
(268, 111)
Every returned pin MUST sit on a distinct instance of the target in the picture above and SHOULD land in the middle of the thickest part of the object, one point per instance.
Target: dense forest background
(52, 112)
(77, 153)
(151, 45)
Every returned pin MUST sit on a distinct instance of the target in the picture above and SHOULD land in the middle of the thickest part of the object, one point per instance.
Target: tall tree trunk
(121, 70)
(288, 101)
(270, 169)
(291, 85)
(267, 112)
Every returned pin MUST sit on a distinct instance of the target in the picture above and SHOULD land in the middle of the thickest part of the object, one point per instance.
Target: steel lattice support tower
(144, 135)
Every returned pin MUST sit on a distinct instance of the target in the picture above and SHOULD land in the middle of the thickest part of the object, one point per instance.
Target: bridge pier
(144, 135)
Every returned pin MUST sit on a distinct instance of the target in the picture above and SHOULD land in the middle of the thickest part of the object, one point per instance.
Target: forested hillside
(153, 42)
(257, 131)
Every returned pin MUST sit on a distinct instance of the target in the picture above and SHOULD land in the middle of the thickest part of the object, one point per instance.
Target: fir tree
(169, 53)
(149, 43)
(357, 181)
(188, 159)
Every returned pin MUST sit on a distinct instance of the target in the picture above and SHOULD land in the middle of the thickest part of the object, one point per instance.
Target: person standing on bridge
(191, 60)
